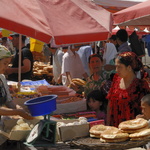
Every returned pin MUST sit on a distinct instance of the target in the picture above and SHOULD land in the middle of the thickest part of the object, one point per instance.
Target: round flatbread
(115, 136)
(114, 133)
(97, 129)
(95, 135)
(143, 133)
(133, 124)
(136, 130)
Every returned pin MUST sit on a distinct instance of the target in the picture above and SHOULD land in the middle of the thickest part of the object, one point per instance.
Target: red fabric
(125, 103)
(67, 21)
(134, 15)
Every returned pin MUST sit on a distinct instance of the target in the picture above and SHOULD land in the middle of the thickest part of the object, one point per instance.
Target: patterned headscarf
(4, 52)
(130, 58)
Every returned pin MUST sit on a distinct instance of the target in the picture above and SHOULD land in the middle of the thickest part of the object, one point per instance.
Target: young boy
(145, 105)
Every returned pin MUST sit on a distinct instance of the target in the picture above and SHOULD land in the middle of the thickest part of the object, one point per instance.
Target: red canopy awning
(67, 21)
(137, 15)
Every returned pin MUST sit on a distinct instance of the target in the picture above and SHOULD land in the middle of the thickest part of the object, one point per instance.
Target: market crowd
(116, 79)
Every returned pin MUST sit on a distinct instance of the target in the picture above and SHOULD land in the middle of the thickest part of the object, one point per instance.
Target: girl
(96, 102)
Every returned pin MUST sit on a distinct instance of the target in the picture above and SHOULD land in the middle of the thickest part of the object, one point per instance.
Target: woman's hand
(24, 114)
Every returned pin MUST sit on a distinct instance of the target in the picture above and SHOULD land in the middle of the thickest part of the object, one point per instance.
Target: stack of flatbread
(96, 130)
(137, 128)
(134, 125)
(140, 135)
(113, 134)
(108, 133)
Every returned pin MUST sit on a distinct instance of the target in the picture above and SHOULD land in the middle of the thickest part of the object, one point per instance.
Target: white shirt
(57, 63)
(73, 64)
(110, 52)
(84, 53)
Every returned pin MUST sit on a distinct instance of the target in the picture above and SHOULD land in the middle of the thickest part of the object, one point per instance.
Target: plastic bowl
(43, 105)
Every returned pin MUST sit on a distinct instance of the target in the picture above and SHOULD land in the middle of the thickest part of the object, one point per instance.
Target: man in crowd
(72, 66)
(84, 52)
(122, 38)
(26, 60)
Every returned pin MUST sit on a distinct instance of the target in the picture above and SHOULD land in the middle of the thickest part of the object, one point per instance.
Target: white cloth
(57, 63)
(73, 64)
(110, 52)
(84, 53)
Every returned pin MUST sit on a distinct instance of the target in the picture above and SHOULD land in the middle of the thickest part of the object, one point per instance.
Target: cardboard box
(71, 107)
(67, 133)
(18, 135)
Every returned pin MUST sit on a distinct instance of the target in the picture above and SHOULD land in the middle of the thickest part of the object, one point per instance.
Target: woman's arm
(13, 110)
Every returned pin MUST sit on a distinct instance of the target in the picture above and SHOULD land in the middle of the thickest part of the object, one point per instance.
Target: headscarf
(130, 58)
(110, 52)
(4, 52)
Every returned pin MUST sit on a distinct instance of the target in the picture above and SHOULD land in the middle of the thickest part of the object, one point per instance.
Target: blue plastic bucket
(43, 105)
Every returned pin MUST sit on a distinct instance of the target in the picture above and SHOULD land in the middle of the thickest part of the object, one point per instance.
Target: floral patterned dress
(92, 84)
(125, 104)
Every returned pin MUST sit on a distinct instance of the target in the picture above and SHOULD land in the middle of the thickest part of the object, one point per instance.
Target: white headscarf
(110, 52)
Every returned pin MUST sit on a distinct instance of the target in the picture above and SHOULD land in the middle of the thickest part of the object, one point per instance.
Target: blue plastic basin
(43, 105)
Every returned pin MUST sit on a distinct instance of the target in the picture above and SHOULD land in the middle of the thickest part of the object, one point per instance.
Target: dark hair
(130, 58)
(122, 35)
(23, 37)
(98, 96)
(95, 55)
(146, 99)
(113, 37)
(4, 38)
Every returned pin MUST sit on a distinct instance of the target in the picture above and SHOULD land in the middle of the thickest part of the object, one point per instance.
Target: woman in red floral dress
(126, 90)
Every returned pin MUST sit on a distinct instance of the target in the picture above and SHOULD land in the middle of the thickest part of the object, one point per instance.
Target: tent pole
(19, 67)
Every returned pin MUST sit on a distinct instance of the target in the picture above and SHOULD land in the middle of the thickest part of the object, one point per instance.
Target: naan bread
(133, 124)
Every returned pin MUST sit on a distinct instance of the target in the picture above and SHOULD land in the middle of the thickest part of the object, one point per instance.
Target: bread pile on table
(108, 133)
(78, 85)
(42, 71)
(113, 134)
(136, 129)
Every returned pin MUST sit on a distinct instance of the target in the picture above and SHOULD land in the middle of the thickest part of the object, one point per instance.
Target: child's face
(94, 104)
(145, 110)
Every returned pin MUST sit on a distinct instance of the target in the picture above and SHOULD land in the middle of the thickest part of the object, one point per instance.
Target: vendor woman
(7, 107)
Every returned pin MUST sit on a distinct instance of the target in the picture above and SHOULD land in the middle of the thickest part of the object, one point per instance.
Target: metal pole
(19, 67)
